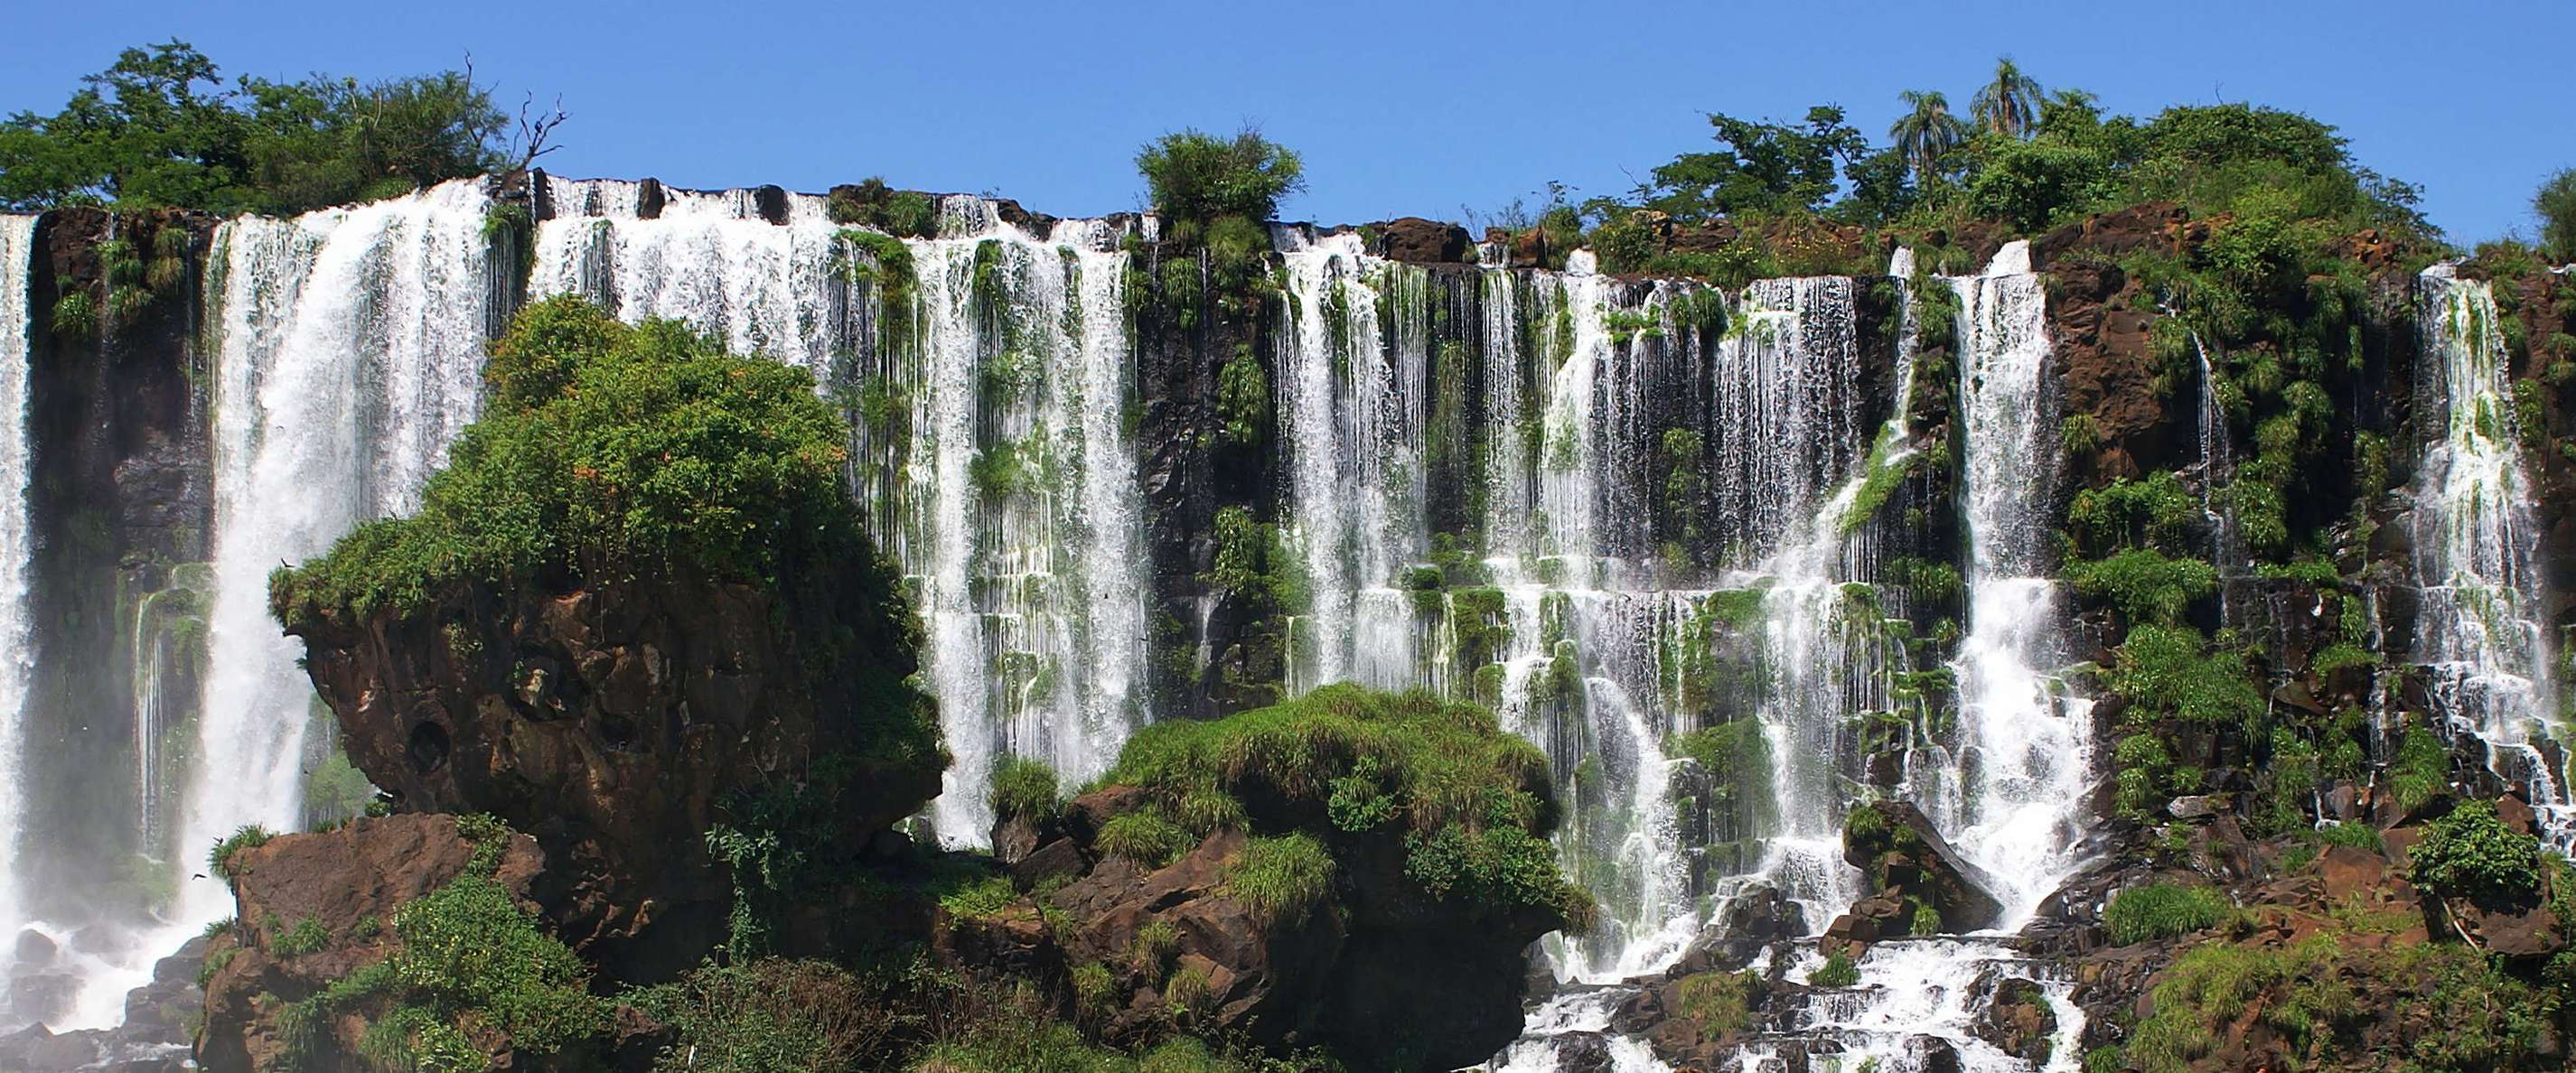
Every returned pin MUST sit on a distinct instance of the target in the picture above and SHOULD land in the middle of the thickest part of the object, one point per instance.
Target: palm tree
(2009, 105)
(1927, 133)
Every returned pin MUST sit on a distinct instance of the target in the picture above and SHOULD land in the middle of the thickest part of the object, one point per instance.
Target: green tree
(1195, 177)
(1927, 133)
(159, 128)
(2009, 105)
(1765, 168)
(2556, 204)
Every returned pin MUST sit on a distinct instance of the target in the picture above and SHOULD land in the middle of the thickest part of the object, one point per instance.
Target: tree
(2009, 105)
(1195, 177)
(1765, 168)
(1927, 132)
(2556, 204)
(159, 128)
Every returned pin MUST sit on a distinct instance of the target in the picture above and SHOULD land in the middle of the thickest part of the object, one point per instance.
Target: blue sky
(1425, 109)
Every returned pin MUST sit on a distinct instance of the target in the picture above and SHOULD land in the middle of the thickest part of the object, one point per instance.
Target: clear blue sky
(1399, 108)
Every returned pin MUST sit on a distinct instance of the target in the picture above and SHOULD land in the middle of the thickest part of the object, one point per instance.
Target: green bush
(1195, 177)
(981, 898)
(2164, 910)
(2470, 853)
(1839, 970)
(871, 203)
(308, 936)
(2421, 772)
(2555, 204)
(2360, 836)
(1283, 879)
(2164, 670)
(1722, 1002)
(2466, 1013)
(2144, 584)
(773, 1014)
(219, 861)
(1023, 787)
(1145, 838)
(1150, 952)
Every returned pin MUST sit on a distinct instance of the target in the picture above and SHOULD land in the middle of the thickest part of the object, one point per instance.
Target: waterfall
(2481, 626)
(17, 665)
(993, 407)
(349, 354)
(2026, 743)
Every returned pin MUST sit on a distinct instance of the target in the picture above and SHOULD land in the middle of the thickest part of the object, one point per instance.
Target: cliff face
(618, 724)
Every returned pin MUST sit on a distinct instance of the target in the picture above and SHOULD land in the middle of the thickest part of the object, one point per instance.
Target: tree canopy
(162, 128)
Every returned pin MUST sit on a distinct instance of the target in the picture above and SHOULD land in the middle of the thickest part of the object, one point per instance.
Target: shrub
(2164, 670)
(778, 1014)
(468, 946)
(1839, 970)
(308, 936)
(2356, 835)
(2470, 853)
(2556, 205)
(981, 898)
(1195, 176)
(220, 860)
(1144, 837)
(1283, 879)
(1023, 787)
(871, 203)
(1150, 952)
(2144, 584)
(1722, 1002)
(2164, 910)
(2421, 772)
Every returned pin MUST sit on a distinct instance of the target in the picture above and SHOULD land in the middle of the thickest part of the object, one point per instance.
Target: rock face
(348, 883)
(1384, 974)
(1909, 864)
(618, 724)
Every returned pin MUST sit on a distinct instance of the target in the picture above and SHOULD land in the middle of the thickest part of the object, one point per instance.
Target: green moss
(2164, 910)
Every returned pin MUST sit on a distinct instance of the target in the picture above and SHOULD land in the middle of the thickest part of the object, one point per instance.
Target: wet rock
(1583, 1052)
(770, 204)
(33, 948)
(2018, 1020)
(1901, 851)
(2199, 807)
(649, 198)
(35, 1050)
(1756, 917)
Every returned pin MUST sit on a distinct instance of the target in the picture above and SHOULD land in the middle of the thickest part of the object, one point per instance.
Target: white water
(350, 354)
(1009, 496)
(2025, 759)
(17, 662)
(1913, 990)
(1570, 1013)
(2480, 628)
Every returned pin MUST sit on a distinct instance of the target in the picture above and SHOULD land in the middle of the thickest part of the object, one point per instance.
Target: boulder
(1901, 851)
(619, 723)
(1419, 241)
(2018, 1020)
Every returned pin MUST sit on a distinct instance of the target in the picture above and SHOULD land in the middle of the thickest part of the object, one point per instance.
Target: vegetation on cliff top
(609, 452)
(159, 128)
(1474, 804)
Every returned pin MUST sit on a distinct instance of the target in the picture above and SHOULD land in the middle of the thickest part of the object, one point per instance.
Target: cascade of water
(349, 355)
(1912, 993)
(2480, 627)
(17, 257)
(995, 393)
(2025, 742)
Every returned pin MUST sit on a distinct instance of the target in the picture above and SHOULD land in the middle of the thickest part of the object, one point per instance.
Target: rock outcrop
(618, 724)
(1910, 868)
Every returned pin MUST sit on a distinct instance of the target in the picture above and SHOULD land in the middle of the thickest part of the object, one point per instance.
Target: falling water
(2480, 626)
(349, 356)
(997, 397)
(2025, 754)
(17, 258)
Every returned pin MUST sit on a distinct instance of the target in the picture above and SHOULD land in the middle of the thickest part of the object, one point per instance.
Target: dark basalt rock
(613, 723)
(770, 204)
(1915, 862)
(1416, 240)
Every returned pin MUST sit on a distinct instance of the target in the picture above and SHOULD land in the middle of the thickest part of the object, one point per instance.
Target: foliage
(980, 898)
(160, 128)
(1927, 133)
(1193, 176)
(2032, 184)
(1722, 1002)
(1283, 879)
(2144, 584)
(219, 861)
(1839, 970)
(2009, 105)
(1146, 838)
(2164, 671)
(2464, 1014)
(2555, 204)
(2164, 910)
(1478, 802)
(2421, 772)
(871, 203)
(2470, 853)
(1764, 167)
(1243, 399)
(306, 937)
(1018, 1042)
(774, 1015)
(1023, 787)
